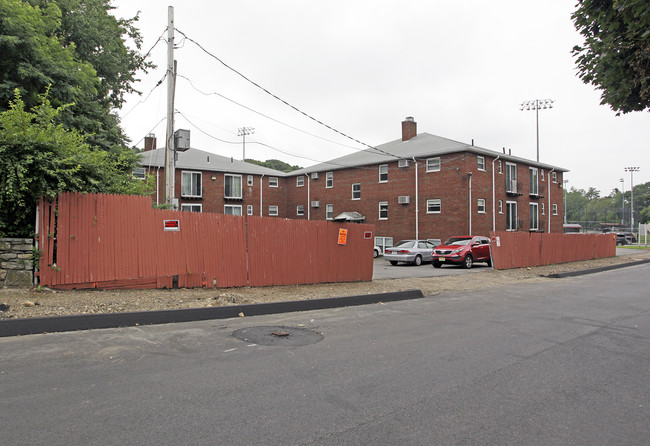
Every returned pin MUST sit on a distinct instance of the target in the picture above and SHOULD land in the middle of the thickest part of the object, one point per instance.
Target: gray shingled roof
(195, 159)
(424, 145)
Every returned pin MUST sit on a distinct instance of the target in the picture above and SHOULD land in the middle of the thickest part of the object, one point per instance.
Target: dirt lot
(23, 303)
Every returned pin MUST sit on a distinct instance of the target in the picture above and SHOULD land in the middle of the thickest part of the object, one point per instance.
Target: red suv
(462, 250)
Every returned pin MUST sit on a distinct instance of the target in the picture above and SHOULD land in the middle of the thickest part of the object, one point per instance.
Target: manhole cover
(278, 335)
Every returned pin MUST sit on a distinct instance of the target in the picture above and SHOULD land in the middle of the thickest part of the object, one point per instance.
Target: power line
(145, 99)
(282, 100)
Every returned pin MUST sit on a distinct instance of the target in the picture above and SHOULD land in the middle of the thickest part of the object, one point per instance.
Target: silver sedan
(409, 251)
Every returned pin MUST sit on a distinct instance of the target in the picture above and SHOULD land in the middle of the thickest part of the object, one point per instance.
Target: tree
(39, 158)
(77, 50)
(274, 164)
(615, 56)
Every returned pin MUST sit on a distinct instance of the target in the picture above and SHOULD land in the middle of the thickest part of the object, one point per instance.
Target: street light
(536, 104)
(243, 131)
(622, 202)
(631, 170)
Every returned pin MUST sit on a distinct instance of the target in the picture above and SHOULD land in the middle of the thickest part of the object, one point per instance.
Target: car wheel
(489, 262)
(468, 261)
(376, 254)
(436, 264)
(417, 261)
(393, 262)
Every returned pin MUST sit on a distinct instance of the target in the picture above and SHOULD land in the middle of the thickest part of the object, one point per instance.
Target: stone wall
(16, 264)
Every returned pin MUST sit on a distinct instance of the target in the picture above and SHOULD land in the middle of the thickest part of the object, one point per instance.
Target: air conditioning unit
(314, 175)
(403, 163)
(315, 204)
(404, 199)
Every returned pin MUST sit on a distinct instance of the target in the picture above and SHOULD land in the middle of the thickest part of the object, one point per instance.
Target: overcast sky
(461, 69)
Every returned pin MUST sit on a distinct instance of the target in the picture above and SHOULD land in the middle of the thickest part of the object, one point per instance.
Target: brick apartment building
(421, 185)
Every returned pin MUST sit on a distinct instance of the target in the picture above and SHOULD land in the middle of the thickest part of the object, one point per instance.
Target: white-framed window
(329, 180)
(300, 181)
(534, 183)
(434, 206)
(191, 184)
(543, 209)
(480, 205)
(191, 207)
(541, 173)
(500, 167)
(273, 181)
(232, 187)
(139, 173)
(329, 211)
(511, 216)
(273, 210)
(383, 210)
(300, 209)
(480, 162)
(249, 180)
(554, 176)
(433, 164)
(511, 177)
(356, 191)
(232, 209)
(249, 209)
(555, 209)
(534, 217)
(500, 206)
(383, 173)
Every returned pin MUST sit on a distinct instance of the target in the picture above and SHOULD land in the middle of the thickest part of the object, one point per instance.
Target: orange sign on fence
(343, 236)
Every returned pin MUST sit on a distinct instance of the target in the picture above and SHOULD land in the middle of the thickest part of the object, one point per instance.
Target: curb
(53, 324)
(596, 270)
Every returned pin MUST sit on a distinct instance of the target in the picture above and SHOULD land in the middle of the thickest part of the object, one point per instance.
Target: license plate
(441, 259)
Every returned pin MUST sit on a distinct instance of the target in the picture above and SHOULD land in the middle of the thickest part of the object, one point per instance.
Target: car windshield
(461, 241)
(404, 244)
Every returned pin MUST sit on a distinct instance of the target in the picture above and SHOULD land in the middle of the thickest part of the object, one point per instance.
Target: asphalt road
(561, 362)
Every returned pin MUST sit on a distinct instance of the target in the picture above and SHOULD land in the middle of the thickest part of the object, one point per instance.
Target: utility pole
(622, 203)
(169, 145)
(243, 131)
(631, 170)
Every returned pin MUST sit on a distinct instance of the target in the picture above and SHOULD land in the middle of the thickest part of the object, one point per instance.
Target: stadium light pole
(632, 170)
(536, 104)
(622, 202)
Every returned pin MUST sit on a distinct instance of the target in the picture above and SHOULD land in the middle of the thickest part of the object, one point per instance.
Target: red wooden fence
(523, 249)
(118, 241)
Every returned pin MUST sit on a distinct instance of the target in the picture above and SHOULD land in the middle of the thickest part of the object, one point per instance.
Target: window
(534, 184)
(542, 174)
(554, 177)
(384, 242)
(273, 211)
(534, 217)
(511, 216)
(249, 209)
(273, 181)
(329, 180)
(433, 164)
(249, 181)
(500, 167)
(481, 205)
(191, 184)
(356, 191)
(500, 206)
(191, 208)
(434, 206)
(383, 210)
(511, 178)
(139, 173)
(480, 162)
(542, 208)
(329, 211)
(232, 186)
(300, 209)
(555, 209)
(383, 173)
(300, 181)
(231, 209)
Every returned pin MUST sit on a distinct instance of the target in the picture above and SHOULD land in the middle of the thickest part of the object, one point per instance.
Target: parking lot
(384, 270)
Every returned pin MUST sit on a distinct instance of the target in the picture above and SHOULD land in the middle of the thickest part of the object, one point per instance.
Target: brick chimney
(150, 142)
(409, 128)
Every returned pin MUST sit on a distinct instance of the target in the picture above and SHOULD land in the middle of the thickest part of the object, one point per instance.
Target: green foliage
(274, 164)
(615, 56)
(39, 158)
